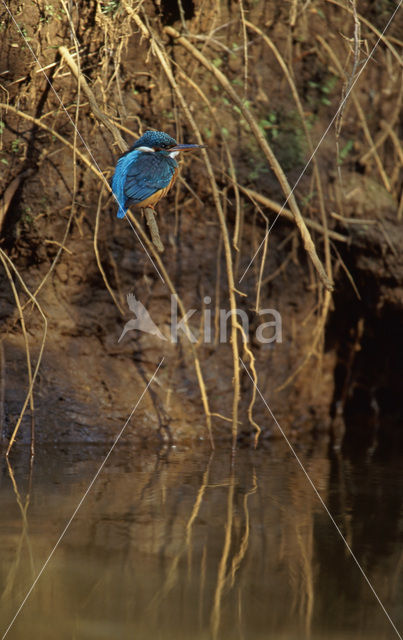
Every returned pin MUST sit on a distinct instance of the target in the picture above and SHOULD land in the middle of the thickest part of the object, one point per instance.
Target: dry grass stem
(347, 272)
(383, 38)
(395, 115)
(300, 109)
(9, 194)
(171, 287)
(264, 145)
(97, 256)
(159, 53)
(38, 122)
(65, 54)
(238, 224)
(8, 264)
(318, 336)
(30, 396)
(274, 206)
(360, 113)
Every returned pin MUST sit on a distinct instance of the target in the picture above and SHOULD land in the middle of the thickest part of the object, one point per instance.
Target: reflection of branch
(243, 547)
(307, 595)
(11, 577)
(172, 575)
(221, 577)
(2, 390)
(199, 500)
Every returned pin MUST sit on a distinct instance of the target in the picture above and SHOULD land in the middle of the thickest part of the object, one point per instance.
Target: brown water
(181, 544)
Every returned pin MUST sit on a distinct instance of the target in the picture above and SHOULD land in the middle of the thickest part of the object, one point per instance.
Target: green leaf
(345, 150)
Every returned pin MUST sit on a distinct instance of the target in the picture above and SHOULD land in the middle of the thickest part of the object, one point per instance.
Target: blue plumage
(145, 173)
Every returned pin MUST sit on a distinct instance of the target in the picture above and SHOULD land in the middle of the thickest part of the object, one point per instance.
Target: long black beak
(186, 147)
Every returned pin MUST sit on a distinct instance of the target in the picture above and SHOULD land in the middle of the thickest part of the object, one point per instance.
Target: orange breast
(151, 201)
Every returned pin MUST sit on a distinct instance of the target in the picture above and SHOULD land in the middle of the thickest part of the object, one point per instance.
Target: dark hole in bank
(171, 10)
(368, 378)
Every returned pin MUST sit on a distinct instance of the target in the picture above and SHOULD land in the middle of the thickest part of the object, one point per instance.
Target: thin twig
(64, 52)
(158, 51)
(272, 204)
(369, 24)
(359, 110)
(96, 251)
(349, 81)
(318, 334)
(27, 353)
(301, 112)
(7, 265)
(10, 192)
(264, 145)
(152, 223)
(182, 310)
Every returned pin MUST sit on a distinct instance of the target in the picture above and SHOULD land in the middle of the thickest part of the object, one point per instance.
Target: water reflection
(186, 544)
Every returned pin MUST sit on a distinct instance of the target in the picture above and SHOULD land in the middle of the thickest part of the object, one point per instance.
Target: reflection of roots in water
(226, 577)
(18, 566)
(172, 576)
(295, 547)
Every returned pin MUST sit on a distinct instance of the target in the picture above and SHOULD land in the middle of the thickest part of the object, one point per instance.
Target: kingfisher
(147, 171)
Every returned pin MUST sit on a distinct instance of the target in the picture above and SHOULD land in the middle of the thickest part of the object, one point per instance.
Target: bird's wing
(147, 173)
(131, 302)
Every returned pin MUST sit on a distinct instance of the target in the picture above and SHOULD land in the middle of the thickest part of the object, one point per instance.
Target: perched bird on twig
(146, 172)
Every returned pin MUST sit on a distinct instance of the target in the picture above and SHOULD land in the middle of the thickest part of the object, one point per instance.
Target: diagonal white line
(321, 501)
(321, 140)
(75, 128)
(142, 244)
(81, 501)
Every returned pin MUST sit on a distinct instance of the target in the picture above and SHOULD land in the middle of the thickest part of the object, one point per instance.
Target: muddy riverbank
(337, 368)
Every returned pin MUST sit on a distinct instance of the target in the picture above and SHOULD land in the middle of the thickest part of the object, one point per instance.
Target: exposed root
(8, 267)
(264, 145)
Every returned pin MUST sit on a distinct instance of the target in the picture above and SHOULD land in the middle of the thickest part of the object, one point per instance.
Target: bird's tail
(121, 211)
(117, 185)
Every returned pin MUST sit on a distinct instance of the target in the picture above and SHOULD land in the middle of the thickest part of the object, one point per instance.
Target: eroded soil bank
(344, 379)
